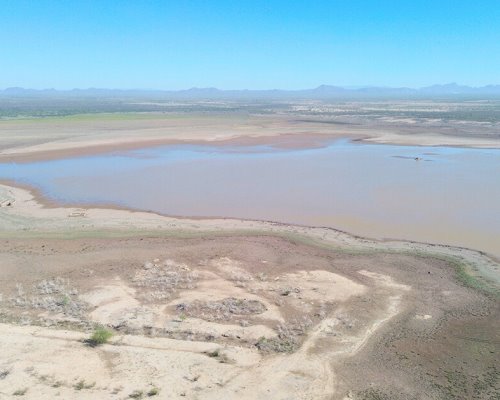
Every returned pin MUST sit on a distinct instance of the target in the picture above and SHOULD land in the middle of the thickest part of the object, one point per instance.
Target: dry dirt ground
(28, 139)
(239, 317)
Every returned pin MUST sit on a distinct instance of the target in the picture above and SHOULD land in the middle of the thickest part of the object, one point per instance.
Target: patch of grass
(20, 392)
(83, 385)
(65, 300)
(214, 354)
(276, 345)
(460, 384)
(223, 358)
(373, 394)
(100, 336)
(153, 392)
(221, 310)
(465, 274)
(136, 394)
(117, 390)
(4, 373)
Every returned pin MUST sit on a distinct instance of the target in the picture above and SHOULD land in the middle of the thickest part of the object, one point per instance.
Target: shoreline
(40, 140)
(30, 216)
(47, 203)
(377, 230)
(284, 141)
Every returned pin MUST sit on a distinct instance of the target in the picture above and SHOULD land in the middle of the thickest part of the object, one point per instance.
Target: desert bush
(214, 353)
(83, 385)
(136, 394)
(287, 340)
(158, 281)
(222, 309)
(100, 336)
(277, 344)
(4, 373)
(153, 392)
(20, 392)
(54, 295)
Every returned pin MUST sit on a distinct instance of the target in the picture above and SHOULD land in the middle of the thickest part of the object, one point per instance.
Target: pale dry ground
(210, 309)
(226, 365)
(93, 133)
(50, 137)
(52, 362)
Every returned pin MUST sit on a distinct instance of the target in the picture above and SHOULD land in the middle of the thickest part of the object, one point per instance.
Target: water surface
(446, 195)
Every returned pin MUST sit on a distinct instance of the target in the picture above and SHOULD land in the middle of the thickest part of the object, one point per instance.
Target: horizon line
(333, 86)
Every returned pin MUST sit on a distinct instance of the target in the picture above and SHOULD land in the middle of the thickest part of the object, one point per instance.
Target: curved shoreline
(283, 141)
(46, 139)
(382, 218)
(29, 216)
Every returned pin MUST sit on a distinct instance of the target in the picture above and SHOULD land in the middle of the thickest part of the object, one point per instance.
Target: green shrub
(100, 336)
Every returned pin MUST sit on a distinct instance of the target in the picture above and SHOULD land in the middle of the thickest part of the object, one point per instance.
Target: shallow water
(449, 196)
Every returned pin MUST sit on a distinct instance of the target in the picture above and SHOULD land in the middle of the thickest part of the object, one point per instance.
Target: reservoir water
(430, 194)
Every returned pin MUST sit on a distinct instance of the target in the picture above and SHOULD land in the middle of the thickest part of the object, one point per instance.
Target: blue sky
(248, 43)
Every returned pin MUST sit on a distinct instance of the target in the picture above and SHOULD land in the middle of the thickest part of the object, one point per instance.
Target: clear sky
(233, 44)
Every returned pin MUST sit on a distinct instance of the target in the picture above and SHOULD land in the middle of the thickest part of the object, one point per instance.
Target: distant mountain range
(321, 92)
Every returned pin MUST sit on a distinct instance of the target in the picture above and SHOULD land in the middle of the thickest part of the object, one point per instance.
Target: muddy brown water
(429, 194)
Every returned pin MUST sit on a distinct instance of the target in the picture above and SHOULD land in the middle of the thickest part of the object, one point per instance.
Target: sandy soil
(206, 309)
(45, 138)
